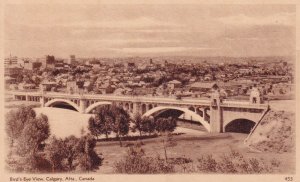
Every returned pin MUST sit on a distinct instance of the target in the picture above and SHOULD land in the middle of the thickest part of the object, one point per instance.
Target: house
(174, 84)
(47, 85)
(26, 86)
(10, 80)
(203, 86)
(106, 88)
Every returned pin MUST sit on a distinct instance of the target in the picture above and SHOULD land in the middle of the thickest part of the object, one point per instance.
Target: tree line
(110, 119)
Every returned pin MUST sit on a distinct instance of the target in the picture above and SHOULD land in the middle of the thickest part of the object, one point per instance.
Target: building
(32, 65)
(50, 59)
(47, 85)
(9, 80)
(12, 71)
(203, 86)
(72, 59)
(47, 62)
(174, 84)
(11, 61)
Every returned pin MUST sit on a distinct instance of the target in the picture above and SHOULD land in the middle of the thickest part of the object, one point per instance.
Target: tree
(168, 141)
(102, 122)
(55, 153)
(148, 125)
(163, 125)
(137, 120)
(15, 121)
(120, 122)
(93, 127)
(30, 142)
(71, 151)
(87, 157)
(35, 132)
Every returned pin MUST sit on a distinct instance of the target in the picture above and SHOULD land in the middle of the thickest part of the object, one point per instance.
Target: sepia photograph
(148, 88)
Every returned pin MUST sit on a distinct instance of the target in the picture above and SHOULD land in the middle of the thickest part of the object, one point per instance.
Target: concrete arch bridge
(215, 114)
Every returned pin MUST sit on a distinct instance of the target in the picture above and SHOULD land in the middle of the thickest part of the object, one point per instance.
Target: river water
(64, 122)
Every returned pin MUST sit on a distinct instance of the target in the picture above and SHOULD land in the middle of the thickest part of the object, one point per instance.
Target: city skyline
(149, 30)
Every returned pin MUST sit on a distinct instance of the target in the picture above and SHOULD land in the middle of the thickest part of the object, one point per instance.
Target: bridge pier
(216, 124)
(42, 101)
(135, 108)
(82, 105)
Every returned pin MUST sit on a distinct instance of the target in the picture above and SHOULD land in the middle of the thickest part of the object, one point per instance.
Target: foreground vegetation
(31, 150)
(137, 162)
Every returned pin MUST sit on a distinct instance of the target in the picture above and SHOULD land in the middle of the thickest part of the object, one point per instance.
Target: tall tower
(72, 59)
(216, 121)
(255, 97)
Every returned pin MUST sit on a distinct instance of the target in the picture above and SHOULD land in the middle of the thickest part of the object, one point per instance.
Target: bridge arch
(57, 101)
(240, 125)
(93, 106)
(184, 110)
(230, 116)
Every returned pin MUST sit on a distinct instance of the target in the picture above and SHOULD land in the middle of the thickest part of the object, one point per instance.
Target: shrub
(87, 157)
(165, 125)
(136, 162)
(56, 153)
(235, 162)
(207, 164)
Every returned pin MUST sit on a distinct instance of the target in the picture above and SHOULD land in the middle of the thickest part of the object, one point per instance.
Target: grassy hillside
(275, 133)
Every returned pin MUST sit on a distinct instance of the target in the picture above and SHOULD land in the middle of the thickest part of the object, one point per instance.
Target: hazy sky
(149, 30)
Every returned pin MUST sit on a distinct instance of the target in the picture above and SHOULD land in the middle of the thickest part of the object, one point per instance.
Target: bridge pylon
(216, 125)
(82, 105)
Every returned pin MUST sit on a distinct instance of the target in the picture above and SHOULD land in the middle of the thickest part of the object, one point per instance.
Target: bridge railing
(245, 105)
(192, 101)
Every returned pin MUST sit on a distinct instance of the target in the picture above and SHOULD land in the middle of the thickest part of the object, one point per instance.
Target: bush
(165, 125)
(87, 157)
(180, 160)
(207, 164)
(73, 153)
(235, 163)
(136, 162)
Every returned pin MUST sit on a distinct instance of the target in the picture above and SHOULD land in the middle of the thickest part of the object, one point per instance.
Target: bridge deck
(144, 99)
